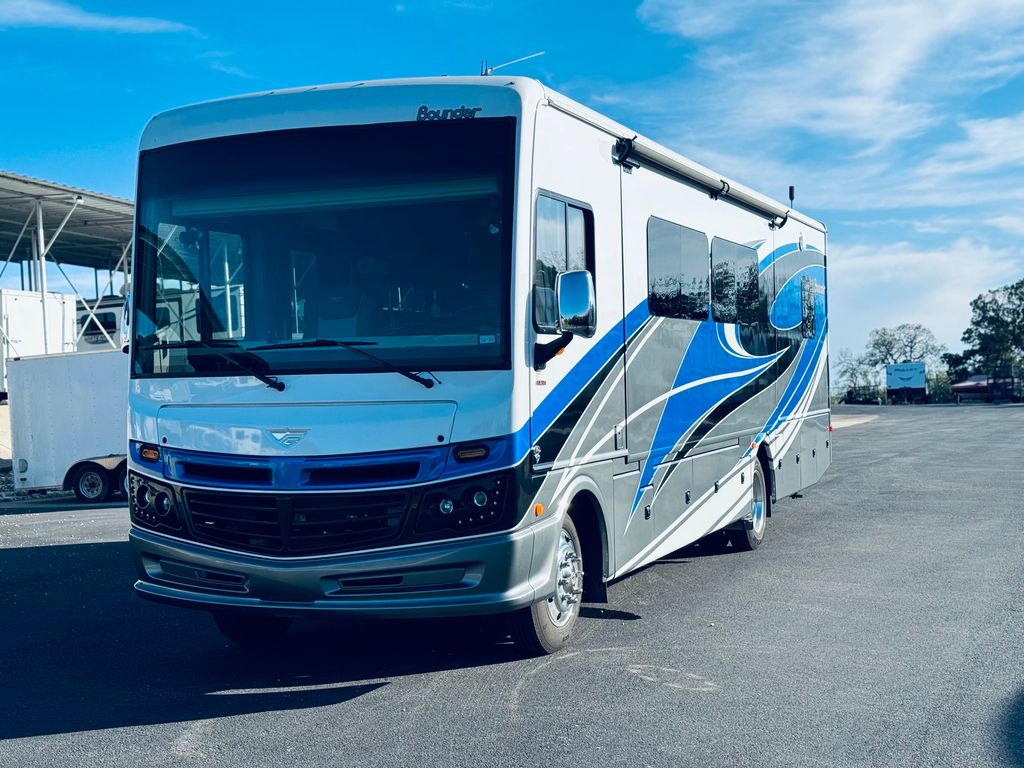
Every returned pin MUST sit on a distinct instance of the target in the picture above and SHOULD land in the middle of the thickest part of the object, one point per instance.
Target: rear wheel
(252, 631)
(756, 520)
(91, 483)
(546, 627)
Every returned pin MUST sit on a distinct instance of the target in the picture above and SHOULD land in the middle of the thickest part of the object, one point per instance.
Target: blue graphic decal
(709, 372)
(787, 309)
(780, 252)
(806, 364)
(592, 362)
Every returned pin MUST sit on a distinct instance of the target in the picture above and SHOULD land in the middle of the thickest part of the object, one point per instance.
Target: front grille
(297, 524)
(363, 474)
(225, 473)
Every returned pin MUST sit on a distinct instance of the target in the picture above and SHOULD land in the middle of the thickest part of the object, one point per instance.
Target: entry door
(578, 396)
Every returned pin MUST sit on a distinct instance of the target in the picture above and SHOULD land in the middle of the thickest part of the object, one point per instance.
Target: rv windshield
(396, 237)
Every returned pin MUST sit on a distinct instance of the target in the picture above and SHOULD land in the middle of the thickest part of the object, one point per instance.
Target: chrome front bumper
(458, 577)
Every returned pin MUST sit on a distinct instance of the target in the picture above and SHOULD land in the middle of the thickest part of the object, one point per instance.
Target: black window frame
(589, 248)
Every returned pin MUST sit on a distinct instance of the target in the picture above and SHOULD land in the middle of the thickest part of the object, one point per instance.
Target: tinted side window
(735, 296)
(106, 319)
(677, 271)
(564, 242)
(808, 324)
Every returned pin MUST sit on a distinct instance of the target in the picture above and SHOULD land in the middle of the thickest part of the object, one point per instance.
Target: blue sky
(900, 123)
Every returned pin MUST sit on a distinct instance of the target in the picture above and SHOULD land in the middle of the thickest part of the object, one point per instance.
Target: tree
(852, 371)
(996, 333)
(909, 342)
(956, 365)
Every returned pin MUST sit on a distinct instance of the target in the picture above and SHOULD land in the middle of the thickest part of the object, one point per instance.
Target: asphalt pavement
(878, 625)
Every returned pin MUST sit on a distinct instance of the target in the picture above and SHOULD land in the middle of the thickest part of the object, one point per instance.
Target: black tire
(91, 483)
(753, 534)
(252, 631)
(546, 627)
(121, 480)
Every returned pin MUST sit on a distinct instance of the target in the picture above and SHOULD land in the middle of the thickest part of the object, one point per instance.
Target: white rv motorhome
(102, 331)
(495, 351)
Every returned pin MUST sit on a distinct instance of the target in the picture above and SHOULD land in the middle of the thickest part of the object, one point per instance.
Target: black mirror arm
(542, 353)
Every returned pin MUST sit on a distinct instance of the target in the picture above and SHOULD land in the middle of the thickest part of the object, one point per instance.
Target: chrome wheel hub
(758, 514)
(569, 582)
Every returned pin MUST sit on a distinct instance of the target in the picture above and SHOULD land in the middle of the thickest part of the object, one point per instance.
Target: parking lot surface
(879, 624)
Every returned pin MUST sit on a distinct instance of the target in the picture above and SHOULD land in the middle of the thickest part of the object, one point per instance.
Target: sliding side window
(735, 296)
(677, 271)
(565, 242)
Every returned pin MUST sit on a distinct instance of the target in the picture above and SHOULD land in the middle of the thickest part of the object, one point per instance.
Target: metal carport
(42, 221)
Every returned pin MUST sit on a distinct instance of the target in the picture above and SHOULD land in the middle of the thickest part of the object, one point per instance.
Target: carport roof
(95, 235)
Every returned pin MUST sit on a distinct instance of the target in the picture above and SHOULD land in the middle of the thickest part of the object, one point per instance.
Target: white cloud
(990, 145)
(55, 14)
(231, 69)
(698, 19)
(881, 286)
(867, 71)
(1012, 224)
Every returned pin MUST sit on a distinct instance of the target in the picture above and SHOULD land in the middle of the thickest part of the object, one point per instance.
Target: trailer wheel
(756, 520)
(91, 483)
(546, 627)
(252, 631)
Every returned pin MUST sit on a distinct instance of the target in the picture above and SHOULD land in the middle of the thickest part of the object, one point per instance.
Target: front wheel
(756, 520)
(546, 627)
(91, 484)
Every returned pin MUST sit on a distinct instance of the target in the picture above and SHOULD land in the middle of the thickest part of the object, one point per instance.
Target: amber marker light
(149, 453)
(472, 453)
(538, 509)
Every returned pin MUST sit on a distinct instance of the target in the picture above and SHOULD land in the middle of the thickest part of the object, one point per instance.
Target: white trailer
(23, 332)
(68, 415)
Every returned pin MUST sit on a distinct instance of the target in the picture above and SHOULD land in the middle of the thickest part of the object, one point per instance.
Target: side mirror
(126, 316)
(577, 310)
(577, 314)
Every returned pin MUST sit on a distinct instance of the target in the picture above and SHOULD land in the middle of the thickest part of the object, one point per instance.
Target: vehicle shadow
(25, 504)
(79, 651)
(710, 546)
(1013, 731)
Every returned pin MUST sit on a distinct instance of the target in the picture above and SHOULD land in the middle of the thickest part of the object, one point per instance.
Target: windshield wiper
(356, 346)
(252, 364)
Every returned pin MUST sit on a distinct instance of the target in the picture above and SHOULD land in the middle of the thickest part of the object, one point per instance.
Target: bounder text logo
(462, 113)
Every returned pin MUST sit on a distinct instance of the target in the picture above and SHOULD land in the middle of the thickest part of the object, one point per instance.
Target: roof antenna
(486, 70)
(792, 194)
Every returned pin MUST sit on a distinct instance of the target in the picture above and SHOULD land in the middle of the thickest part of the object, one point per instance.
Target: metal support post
(41, 251)
(34, 271)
